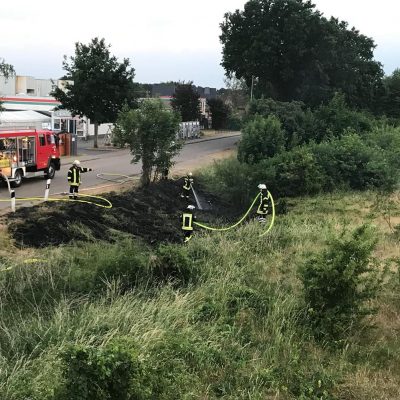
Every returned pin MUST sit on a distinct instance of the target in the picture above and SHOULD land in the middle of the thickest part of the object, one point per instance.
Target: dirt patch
(151, 214)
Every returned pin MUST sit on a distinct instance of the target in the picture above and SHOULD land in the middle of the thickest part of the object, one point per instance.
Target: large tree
(235, 93)
(185, 101)
(291, 52)
(101, 85)
(6, 70)
(219, 113)
(391, 103)
(150, 132)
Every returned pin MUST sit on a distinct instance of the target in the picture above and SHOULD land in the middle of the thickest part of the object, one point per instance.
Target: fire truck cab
(26, 153)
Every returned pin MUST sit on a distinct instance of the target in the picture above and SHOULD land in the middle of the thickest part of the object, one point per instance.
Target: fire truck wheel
(50, 172)
(17, 179)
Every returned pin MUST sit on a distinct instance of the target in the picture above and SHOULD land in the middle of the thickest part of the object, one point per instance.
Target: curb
(82, 158)
(211, 138)
(101, 149)
(187, 141)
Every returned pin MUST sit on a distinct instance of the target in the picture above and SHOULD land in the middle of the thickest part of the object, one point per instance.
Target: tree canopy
(297, 54)
(150, 133)
(392, 95)
(6, 70)
(101, 85)
(185, 101)
(235, 93)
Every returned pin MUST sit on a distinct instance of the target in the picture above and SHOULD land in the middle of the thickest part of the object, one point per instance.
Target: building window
(57, 124)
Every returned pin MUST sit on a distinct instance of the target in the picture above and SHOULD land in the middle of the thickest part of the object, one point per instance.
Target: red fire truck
(26, 153)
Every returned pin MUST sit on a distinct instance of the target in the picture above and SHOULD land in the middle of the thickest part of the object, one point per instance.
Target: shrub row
(299, 125)
(346, 162)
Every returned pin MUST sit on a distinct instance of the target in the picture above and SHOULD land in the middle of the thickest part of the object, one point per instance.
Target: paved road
(117, 162)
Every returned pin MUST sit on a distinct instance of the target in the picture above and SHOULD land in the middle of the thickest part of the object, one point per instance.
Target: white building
(26, 93)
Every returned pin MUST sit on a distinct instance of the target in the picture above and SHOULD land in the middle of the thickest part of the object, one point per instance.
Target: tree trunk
(96, 132)
(146, 173)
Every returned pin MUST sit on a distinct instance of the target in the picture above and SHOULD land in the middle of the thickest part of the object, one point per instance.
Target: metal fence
(189, 130)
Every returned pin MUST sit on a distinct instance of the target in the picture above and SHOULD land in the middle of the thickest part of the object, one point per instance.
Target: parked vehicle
(27, 153)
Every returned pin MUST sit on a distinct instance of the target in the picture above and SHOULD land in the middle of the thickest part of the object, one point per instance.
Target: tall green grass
(223, 317)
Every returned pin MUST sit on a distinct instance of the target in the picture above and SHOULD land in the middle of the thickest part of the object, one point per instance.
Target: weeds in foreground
(224, 317)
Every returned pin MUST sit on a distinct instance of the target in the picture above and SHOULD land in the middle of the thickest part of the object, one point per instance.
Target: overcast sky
(164, 39)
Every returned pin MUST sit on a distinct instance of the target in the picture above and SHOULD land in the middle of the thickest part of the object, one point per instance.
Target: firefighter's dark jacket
(263, 207)
(187, 183)
(74, 175)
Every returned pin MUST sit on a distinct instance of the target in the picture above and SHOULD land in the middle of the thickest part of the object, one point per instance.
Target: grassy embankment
(223, 317)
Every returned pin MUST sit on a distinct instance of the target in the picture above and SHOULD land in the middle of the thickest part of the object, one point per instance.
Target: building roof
(11, 118)
(25, 103)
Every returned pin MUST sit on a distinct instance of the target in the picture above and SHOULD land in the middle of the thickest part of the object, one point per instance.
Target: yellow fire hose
(242, 219)
(107, 204)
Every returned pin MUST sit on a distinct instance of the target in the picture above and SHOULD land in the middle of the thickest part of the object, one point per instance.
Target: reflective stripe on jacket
(263, 207)
(188, 182)
(187, 222)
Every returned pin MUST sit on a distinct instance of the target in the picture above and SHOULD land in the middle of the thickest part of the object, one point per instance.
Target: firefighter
(187, 186)
(262, 209)
(187, 222)
(74, 178)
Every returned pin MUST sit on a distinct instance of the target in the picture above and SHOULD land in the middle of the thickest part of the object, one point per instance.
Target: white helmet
(76, 162)
(190, 207)
(262, 186)
(190, 174)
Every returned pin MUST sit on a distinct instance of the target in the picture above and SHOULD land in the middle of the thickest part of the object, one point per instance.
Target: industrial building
(26, 101)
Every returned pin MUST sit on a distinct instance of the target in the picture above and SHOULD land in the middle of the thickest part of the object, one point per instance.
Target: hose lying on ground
(243, 217)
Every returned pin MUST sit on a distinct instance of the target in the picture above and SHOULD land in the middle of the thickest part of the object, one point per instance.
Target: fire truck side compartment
(28, 151)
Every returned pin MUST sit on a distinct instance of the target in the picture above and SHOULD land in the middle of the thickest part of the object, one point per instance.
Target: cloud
(166, 40)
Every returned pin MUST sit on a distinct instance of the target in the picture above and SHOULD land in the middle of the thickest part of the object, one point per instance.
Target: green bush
(350, 162)
(127, 261)
(291, 173)
(172, 263)
(99, 373)
(339, 283)
(234, 122)
(261, 138)
(301, 125)
(335, 118)
(346, 162)
(387, 139)
(298, 123)
(231, 180)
